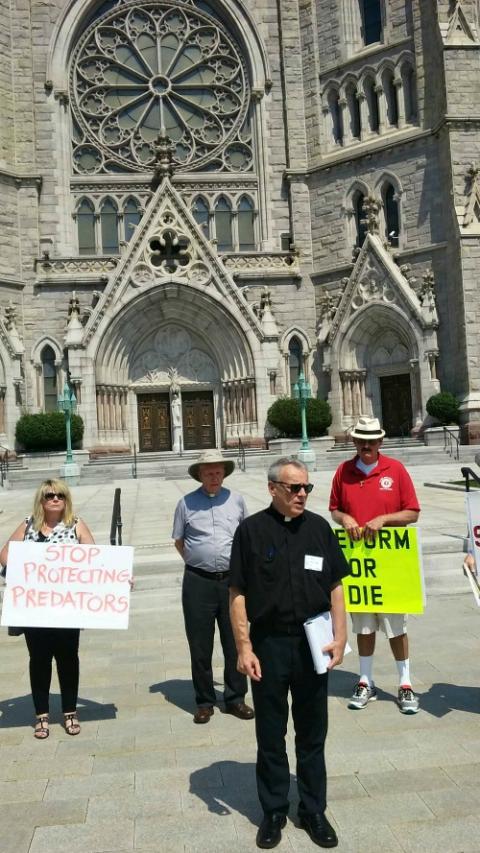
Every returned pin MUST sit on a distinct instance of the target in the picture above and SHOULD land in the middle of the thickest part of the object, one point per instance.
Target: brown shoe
(240, 710)
(203, 714)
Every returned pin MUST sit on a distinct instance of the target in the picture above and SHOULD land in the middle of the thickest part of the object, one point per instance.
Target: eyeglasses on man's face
(49, 496)
(296, 488)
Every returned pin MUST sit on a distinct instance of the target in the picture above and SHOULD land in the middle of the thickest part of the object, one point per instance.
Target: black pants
(44, 644)
(205, 601)
(286, 664)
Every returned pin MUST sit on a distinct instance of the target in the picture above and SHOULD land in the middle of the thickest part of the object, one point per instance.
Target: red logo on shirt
(386, 483)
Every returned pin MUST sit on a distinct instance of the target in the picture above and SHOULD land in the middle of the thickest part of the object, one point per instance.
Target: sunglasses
(49, 496)
(296, 488)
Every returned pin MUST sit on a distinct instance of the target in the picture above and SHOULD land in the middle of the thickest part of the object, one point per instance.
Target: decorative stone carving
(372, 286)
(371, 208)
(173, 359)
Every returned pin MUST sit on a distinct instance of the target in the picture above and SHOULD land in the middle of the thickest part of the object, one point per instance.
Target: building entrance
(198, 420)
(396, 396)
(154, 422)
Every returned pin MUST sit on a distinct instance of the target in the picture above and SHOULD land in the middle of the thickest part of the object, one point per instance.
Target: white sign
(67, 586)
(473, 513)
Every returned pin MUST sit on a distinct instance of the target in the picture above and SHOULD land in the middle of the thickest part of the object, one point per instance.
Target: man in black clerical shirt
(286, 566)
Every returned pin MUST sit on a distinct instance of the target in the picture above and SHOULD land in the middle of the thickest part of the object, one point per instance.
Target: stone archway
(168, 370)
(378, 369)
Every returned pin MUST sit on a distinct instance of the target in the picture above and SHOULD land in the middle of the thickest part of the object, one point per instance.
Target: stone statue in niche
(176, 415)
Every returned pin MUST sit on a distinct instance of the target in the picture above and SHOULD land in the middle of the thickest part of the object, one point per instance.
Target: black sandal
(42, 730)
(72, 726)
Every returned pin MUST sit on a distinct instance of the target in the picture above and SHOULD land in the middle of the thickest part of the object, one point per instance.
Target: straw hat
(367, 428)
(210, 457)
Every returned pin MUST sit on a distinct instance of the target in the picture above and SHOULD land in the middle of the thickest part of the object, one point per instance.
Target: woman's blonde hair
(60, 488)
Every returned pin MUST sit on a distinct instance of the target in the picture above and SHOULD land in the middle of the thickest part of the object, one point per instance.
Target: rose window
(161, 67)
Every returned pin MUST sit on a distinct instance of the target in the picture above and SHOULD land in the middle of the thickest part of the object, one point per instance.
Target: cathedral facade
(202, 199)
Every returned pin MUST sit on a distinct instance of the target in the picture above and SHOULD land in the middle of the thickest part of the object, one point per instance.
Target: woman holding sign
(52, 520)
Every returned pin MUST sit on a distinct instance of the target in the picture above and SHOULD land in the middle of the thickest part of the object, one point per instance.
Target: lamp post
(67, 403)
(302, 392)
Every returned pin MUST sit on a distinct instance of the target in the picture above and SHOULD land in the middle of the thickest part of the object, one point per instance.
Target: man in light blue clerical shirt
(203, 528)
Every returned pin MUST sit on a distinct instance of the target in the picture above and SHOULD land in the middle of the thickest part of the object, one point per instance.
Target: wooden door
(396, 394)
(154, 422)
(198, 420)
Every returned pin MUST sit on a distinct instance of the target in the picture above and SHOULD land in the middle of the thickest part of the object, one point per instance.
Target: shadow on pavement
(19, 710)
(239, 790)
(179, 692)
(443, 698)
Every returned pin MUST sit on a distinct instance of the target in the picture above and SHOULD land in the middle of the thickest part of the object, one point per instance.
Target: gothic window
(408, 84)
(372, 103)
(353, 111)
(86, 228)
(246, 225)
(392, 218)
(109, 227)
(371, 18)
(390, 97)
(295, 359)
(335, 116)
(49, 373)
(131, 218)
(138, 69)
(223, 225)
(359, 215)
(201, 215)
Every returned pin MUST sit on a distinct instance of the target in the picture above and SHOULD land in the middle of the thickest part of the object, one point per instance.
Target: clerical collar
(287, 518)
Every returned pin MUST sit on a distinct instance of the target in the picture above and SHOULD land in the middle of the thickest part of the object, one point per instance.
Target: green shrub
(46, 431)
(284, 415)
(444, 407)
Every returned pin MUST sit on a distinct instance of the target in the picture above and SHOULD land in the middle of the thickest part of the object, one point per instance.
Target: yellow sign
(386, 575)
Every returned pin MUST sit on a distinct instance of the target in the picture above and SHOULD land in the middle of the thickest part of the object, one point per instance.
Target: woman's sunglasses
(49, 496)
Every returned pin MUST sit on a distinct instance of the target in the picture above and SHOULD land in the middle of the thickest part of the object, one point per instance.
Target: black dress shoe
(240, 710)
(270, 831)
(319, 829)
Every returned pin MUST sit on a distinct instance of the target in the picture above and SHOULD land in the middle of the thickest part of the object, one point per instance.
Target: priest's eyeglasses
(296, 488)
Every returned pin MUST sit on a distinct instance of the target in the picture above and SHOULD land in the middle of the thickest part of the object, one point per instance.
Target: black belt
(216, 576)
(281, 629)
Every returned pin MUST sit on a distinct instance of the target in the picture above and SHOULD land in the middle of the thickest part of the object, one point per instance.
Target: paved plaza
(142, 777)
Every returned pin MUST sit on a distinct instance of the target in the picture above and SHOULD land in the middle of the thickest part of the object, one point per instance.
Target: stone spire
(74, 333)
(11, 327)
(269, 325)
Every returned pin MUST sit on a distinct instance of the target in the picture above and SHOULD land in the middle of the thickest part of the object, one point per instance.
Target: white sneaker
(407, 701)
(362, 694)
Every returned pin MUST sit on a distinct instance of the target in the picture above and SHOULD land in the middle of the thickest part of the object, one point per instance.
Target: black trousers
(286, 664)
(43, 645)
(206, 601)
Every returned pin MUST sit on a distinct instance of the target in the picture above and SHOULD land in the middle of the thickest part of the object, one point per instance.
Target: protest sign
(67, 586)
(386, 574)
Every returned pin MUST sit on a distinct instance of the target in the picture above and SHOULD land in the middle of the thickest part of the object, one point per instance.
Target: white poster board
(67, 586)
(473, 513)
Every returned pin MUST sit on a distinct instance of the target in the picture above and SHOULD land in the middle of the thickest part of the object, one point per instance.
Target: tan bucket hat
(211, 457)
(367, 428)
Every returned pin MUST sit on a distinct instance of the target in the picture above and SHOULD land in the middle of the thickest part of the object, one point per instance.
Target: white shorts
(392, 624)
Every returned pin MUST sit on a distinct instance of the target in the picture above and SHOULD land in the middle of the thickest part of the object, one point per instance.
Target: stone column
(363, 106)
(416, 391)
(398, 84)
(382, 108)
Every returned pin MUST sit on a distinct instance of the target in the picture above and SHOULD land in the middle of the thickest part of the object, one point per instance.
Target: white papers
(319, 631)
(473, 581)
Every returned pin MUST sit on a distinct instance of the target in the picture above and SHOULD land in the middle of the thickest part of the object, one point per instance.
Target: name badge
(313, 564)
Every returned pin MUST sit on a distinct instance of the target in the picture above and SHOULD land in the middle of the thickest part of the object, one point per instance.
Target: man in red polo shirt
(369, 492)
